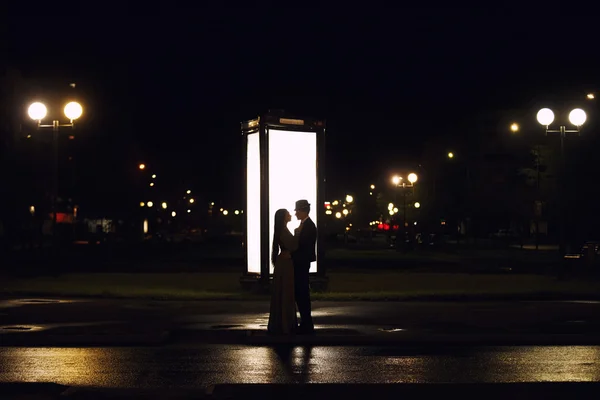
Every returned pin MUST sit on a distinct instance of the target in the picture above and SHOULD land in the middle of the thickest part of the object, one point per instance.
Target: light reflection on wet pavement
(215, 364)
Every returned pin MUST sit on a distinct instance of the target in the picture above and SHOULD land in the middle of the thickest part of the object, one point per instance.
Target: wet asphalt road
(206, 365)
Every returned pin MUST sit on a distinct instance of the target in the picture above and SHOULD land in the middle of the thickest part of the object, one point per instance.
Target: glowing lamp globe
(73, 110)
(37, 111)
(412, 177)
(577, 117)
(545, 116)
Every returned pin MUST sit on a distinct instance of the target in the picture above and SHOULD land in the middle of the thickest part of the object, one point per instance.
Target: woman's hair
(279, 225)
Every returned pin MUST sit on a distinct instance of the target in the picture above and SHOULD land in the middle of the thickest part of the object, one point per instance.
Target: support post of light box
(283, 163)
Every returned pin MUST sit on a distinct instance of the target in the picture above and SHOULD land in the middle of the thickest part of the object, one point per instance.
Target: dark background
(170, 89)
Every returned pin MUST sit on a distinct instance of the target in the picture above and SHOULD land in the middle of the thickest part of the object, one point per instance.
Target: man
(307, 239)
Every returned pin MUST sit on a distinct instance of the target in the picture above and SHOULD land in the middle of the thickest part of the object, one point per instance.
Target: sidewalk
(184, 324)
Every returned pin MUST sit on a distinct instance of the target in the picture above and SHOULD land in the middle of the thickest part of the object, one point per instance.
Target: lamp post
(398, 181)
(37, 111)
(577, 117)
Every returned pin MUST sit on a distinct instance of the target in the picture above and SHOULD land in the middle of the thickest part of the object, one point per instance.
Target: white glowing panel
(292, 175)
(253, 204)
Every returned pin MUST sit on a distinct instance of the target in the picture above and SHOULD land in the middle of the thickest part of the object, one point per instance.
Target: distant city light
(189, 211)
(236, 212)
(192, 201)
(142, 204)
(188, 191)
(372, 187)
(142, 166)
(225, 212)
(151, 183)
(164, 205)
(154, 176)
(338, 215)
(173, 214)
(150, 204)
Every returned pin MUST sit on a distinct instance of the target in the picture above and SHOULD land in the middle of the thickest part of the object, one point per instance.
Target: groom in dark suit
(307, 239)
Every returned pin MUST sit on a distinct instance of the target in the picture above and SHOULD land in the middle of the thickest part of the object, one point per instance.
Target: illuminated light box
(282, 166)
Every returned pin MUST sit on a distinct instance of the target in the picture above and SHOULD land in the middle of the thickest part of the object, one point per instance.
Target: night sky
(172, 90)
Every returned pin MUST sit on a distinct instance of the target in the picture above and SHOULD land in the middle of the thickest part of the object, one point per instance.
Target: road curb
(405, 390)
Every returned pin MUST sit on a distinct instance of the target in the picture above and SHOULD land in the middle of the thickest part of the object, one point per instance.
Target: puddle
(20, 328)
(225, 326)
(37, 301)
(392, 330)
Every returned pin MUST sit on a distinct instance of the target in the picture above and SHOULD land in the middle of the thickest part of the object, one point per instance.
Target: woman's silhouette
(282, 317)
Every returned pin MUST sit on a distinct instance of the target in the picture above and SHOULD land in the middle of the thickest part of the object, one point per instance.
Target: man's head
(302, 209)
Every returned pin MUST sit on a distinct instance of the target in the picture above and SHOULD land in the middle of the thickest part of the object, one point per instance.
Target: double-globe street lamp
(38, 111)
(577, 117)
(398, 181)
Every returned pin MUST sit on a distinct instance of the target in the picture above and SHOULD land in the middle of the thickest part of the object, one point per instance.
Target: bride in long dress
(282, 317)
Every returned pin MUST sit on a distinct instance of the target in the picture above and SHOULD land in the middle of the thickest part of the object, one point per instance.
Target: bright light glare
(292, 176)
(173, 214)
(591, 96)
(225, 212)
(253, 200)
(142, 166)
(545, 116)
(372, 187)
(577, 117)
(338, 215)
(417, 204)
(349, 199)
(73, 110)
(396, 180)
(150, 204)
(412, 177)
(145, 226)
(450, 155)
(37, 111)
(164, 205)
(514, 127)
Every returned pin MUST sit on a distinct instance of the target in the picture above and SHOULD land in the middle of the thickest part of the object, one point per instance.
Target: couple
(291, 257)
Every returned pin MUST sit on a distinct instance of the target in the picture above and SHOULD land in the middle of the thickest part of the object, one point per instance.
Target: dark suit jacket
(307, 239)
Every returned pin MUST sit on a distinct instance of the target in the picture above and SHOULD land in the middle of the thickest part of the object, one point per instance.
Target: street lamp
(450, 155)
(577, 117)
(349, 199)
(412, 177)
(514, 127)
(38, 111)
(397, 180)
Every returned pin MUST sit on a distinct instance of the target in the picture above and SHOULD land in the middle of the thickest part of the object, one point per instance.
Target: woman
(282, 318)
